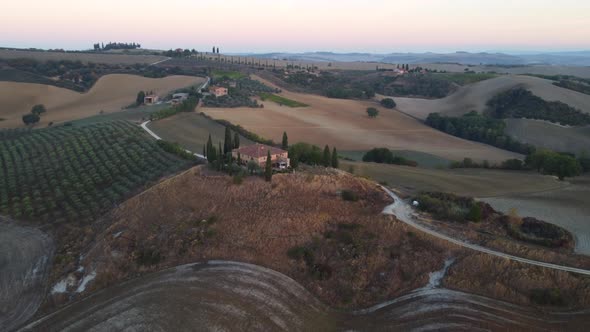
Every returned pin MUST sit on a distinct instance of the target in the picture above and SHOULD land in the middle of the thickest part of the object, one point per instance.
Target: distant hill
(580, 58)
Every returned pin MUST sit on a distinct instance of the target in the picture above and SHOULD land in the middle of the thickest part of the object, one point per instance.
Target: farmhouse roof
(258, 150)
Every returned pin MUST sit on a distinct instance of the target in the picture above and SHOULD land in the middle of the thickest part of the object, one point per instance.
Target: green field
(423, 159)
(77, 173)
(464, 78)
(281, 100)
(233, 75)
(465, 182)
(191, 130)
(136, 114)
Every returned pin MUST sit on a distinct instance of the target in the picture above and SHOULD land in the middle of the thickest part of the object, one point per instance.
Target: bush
(372, 112)
(349, 195)
(548, 296)
(176, 149)
(388, 103)
(385, 156)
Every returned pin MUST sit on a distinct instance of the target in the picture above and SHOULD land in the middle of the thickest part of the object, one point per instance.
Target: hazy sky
(301, 25)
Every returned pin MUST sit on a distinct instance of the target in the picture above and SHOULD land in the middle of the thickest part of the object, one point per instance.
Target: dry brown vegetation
(345, 252)
(345, 124)
(195, 217)
(109, 58)
(110, 94)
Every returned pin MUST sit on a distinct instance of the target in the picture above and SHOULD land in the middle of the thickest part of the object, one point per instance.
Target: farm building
(218, 91)
(150, 99)
(178, 98)
(259, 153)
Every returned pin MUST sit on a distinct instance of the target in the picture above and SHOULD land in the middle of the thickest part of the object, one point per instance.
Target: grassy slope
(282, 100)
(551, 136)
(84, 57)
(191, 130)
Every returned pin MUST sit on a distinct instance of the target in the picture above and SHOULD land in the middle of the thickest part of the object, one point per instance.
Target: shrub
(372, 112)
(349, 195)
(385, 156)
(388, 103)
(548, 296)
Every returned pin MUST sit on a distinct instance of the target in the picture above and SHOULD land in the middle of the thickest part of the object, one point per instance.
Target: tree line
(116, 46)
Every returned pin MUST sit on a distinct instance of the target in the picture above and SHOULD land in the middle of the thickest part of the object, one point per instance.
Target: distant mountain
(579, 58)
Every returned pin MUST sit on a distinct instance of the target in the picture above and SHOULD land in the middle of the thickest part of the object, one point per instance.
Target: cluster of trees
(575, 85)
(180, 53)
(561, 165)
(70, 173)
(340, 86)
(521, 103)
(187, 105)
(313, 155)
(240, 95)
(385, 156)
(476, 127)
(554, 163)
(35, 115)
(415, 84)
(115, 46)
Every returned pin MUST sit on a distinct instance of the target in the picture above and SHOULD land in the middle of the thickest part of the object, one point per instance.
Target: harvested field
(568, 207)
(25, 255)
(464, 182)
(550, 135)
(110, 94)
(222, 295)
(108, 58)
(191, 130)
(475, 96)
(345, 124)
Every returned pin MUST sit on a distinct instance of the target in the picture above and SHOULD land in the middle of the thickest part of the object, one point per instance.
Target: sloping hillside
(344, 123)
(475, 96)
(549, 135)
(110, 93)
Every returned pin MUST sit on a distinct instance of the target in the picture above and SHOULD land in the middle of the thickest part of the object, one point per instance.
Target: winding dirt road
(403, 212)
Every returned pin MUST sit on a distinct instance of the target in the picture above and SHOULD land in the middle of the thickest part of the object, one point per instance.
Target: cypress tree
(327, 159)
(334, 158)
(210, 150)
(204, 150)
(236, 140)
(239, 159)
(227, 144)
(220, 158)
(285, 144)
(268, 168)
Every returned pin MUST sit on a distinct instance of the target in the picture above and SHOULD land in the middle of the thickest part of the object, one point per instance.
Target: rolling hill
(110, 93)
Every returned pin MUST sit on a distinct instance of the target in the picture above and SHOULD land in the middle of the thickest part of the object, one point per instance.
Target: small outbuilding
(150, 99)
(218, 91)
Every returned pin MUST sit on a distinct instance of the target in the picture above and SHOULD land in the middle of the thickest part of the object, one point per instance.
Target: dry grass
(258, 222)
(549, 135)
(515, 70)
(110, 58)
(110, 94)
(345, 124)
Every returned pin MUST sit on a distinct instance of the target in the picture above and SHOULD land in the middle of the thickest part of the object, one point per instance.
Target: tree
(30, 118)
(220, 158)
(227, 143)
(285, 144)
(205, 150)
(239, 159)
(268, 168)
(213, 50)
(388, 102)
(334, 158)
(140, 98)
(562, 165)
(38, 109)
(210, 150)
(218, 50)
(252, 166)
(236, 140)
(327, 159)
(372, 112)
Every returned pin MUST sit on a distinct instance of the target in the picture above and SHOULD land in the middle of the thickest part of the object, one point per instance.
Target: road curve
(403, 212)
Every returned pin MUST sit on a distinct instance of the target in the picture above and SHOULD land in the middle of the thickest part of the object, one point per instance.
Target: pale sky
(377, 26)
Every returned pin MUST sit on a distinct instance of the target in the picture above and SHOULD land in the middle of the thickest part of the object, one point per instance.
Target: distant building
(218, 91)
(150, 99)
(259, 153)
(180, 96)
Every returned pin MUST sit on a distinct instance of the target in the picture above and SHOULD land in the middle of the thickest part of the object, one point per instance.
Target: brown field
(475, 96)
(110, 94)
(109, 58)
(345, 124)
(549, 135)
